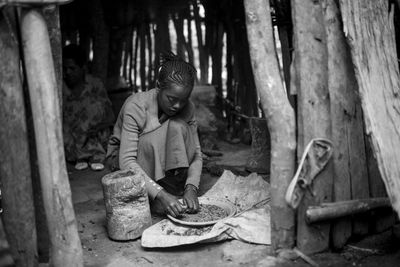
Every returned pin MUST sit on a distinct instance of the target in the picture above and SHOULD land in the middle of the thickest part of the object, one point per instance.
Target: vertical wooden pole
(314, 112)
(203, 55)
(162, 38)
(52, 16)
(66, 248)
(101, 40)
(127, 52)
(190, 43)
(279, 115)
(142, 70)
(349, 160)
(181, 42)
(137, 38)
(15, 171)
(246, 93)
(150, 72)
(116, 48)
(370, 33)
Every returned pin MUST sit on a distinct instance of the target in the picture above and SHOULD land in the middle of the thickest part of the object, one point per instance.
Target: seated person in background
(87, 113)
(156, 131)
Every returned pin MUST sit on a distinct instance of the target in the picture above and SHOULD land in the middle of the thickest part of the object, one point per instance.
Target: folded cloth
(251, 225)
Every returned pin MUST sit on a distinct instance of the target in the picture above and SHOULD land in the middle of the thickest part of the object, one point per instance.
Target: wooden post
(314, 112)
(142, 69)
(66, 249)
(370, 33)
(135, 62)
(116, 48)
(150, 74)
(52, 17)
(162, 42)
(101, 40)
(15, 171)
(349, 160)
(189, 47)
(279, 115)
(203, 54)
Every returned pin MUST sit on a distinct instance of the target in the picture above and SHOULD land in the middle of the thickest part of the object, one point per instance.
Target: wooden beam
(369, 29)
(66, 248)
(279, 115)
(335, 210)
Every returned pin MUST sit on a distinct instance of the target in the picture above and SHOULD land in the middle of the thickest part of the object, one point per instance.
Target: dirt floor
(380, 250)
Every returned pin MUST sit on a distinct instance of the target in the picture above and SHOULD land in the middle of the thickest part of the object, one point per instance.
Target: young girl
(156, 130)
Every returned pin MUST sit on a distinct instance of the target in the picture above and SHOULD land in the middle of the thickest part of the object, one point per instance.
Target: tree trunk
(313, 111)
(15, 171)
(279, 115)
(66, 248)
(370, 32)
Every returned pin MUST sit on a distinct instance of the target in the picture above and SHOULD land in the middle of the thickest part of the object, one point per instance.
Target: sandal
(97, 166)
(81, 165)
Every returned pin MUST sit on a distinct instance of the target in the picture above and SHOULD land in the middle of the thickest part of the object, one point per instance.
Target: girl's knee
(178, 126)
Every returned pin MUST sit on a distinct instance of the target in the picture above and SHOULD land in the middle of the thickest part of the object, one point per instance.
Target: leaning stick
(330, 211)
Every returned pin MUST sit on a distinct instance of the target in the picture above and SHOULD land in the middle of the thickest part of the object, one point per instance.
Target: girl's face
(173, 98)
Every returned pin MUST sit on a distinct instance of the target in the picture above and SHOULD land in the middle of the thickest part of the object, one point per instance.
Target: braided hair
(174, 69)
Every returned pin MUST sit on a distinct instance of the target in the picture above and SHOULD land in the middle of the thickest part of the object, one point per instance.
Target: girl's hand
(170, 203)
(190, 199)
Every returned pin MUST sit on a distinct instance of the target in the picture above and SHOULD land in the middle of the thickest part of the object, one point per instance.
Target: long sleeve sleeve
(134, 118)
(195, 167)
